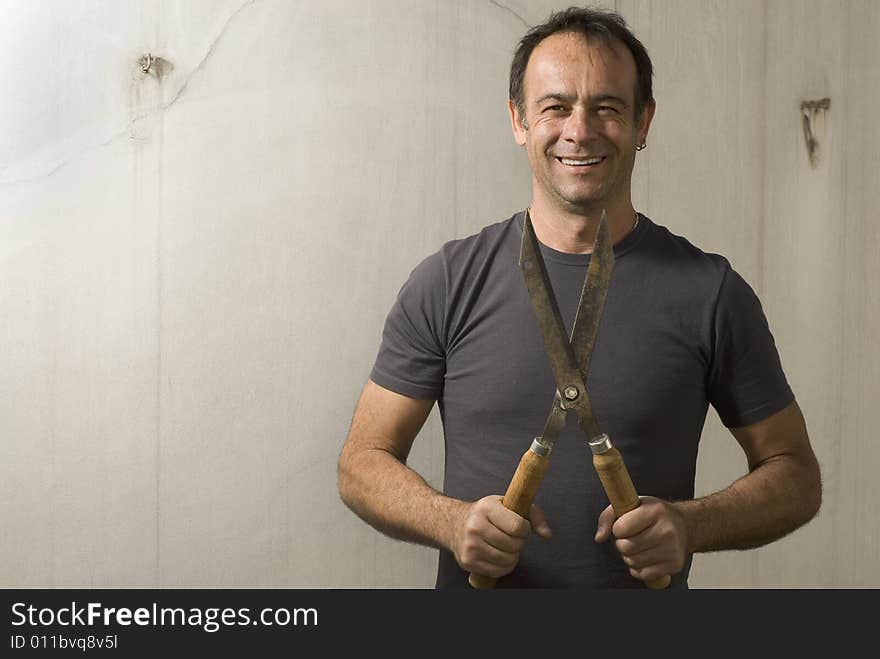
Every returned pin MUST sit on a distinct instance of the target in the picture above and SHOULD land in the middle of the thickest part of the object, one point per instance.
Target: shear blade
(569, 357)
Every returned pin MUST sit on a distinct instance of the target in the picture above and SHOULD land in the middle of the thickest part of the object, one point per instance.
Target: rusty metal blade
(556, 343)
(592, 303)
(569, 359)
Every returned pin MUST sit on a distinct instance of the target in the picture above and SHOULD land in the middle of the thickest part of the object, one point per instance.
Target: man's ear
(516, 122)
(645, 121)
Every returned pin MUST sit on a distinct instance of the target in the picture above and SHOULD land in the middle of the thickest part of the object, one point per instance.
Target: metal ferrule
(600, 444)
(540, 448)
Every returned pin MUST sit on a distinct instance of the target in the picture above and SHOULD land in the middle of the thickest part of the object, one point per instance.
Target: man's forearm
(395, 500)
(771, 501)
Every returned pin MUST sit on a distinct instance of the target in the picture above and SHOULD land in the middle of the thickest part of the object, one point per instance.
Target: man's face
(580, 128)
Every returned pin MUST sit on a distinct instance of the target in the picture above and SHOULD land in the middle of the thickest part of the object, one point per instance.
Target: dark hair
(591, 23)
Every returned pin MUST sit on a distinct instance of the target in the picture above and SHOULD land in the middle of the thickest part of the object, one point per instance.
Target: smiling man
(680, 331)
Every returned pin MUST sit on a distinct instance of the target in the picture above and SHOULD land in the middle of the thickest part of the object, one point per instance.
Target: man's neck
(574, 233)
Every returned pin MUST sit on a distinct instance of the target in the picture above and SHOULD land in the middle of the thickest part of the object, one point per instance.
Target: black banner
(127, 623)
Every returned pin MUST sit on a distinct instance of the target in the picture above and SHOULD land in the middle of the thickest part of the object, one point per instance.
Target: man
(680, 330)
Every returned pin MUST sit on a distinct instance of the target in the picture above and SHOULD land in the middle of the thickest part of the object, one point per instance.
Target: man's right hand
(488, 537)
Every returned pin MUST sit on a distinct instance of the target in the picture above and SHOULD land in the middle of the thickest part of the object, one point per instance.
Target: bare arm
(375, 483)
(374, 480)
(781, 492)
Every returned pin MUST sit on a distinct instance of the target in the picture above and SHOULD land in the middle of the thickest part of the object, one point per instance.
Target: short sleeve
(412, 358)
(746, 381)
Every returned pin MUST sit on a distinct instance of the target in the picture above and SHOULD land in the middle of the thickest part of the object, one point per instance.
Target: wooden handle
(518, 498)
(621, 492)
(659, 584)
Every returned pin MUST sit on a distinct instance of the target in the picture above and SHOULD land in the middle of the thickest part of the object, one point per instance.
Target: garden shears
(570, 361)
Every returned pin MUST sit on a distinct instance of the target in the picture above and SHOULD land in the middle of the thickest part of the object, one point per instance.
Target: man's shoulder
(683, 255)
(460, 254)
(487, 239)
(458, 259)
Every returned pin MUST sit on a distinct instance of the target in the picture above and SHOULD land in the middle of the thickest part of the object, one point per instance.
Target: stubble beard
(573, 199)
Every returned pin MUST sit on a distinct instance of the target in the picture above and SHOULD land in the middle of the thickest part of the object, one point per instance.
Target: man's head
(592, 24)
(581, 103)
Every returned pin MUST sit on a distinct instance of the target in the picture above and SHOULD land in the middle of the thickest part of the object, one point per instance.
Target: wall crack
(508, 9)
(208, 53)
(131, 122)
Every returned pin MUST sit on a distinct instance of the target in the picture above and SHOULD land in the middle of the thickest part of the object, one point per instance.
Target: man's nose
(578, 126)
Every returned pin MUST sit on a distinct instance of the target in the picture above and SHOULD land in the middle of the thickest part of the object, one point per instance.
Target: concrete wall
(196, 261)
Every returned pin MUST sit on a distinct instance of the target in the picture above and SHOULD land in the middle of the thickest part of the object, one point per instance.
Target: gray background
(195, 267)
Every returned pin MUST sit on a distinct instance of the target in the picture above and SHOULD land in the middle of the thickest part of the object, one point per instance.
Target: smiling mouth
(581, 162)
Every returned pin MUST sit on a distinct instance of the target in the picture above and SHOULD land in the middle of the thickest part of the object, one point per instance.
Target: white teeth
(589, 161)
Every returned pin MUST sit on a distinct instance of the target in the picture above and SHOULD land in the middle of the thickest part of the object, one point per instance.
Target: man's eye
(553, 108)
(607, 108)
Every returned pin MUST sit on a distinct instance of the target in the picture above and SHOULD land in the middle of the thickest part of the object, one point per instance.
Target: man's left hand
(652, 538)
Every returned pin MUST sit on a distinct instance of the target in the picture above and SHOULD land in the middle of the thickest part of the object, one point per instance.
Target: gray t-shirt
(680, 330)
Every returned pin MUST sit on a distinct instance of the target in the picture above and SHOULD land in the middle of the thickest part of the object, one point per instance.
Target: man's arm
(781, 492)
(375, 483)
(374, 480)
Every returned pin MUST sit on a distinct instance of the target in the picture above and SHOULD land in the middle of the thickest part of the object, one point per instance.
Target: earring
(641, 146)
